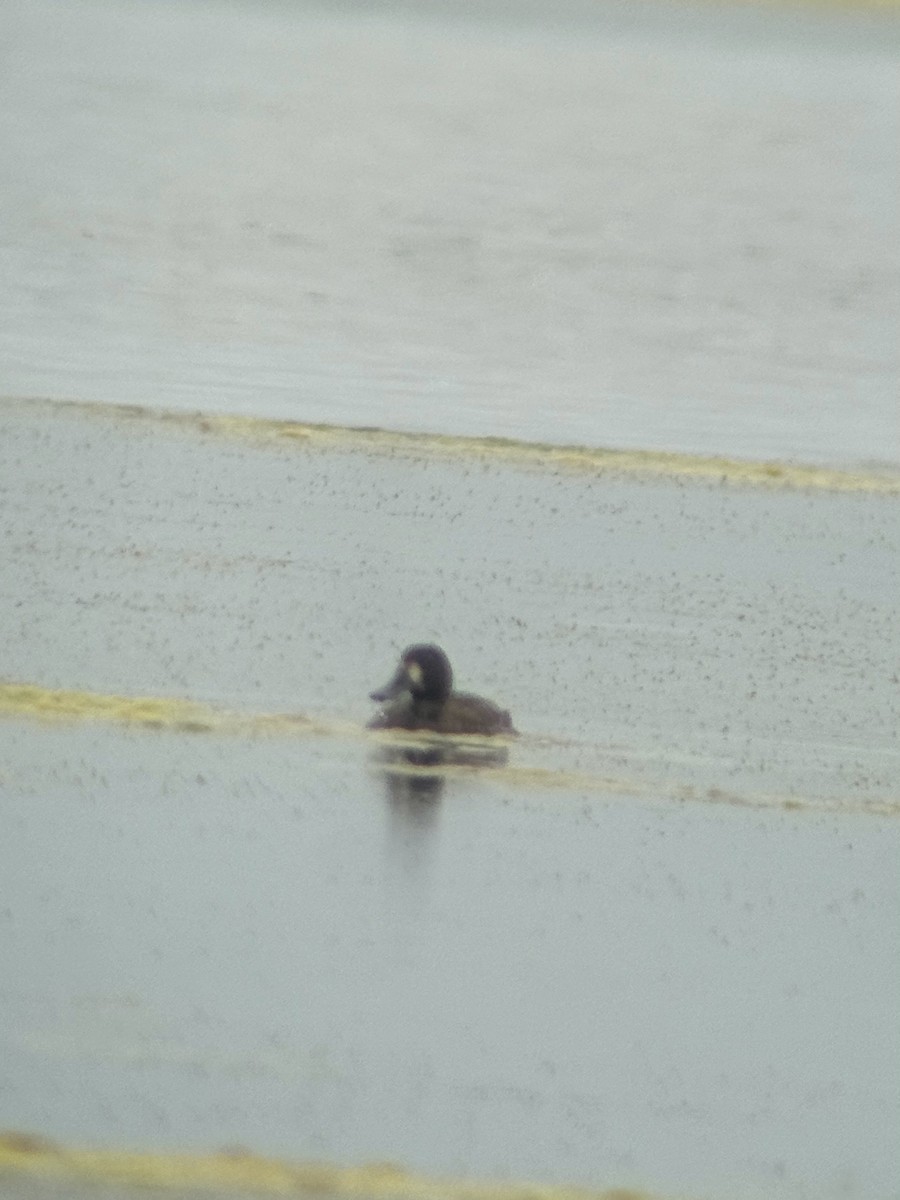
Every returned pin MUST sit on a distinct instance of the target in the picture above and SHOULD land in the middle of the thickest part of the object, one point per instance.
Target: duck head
(424, 672)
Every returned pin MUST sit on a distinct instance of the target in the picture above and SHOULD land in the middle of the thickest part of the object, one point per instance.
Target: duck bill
(400, 683)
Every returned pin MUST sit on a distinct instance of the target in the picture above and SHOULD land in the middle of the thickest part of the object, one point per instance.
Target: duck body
(420, 696)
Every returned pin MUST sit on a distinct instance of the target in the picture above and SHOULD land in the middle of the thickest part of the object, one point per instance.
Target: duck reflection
(417, 774)
(414, 778)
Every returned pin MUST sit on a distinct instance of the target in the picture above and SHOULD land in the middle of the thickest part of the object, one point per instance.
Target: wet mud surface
(659, 631)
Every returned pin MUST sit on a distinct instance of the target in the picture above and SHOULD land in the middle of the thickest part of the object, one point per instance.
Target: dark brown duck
(421, 696)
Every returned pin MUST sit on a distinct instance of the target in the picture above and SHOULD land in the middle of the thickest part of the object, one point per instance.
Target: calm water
(625, 225)
(657, 947)
(256, 943)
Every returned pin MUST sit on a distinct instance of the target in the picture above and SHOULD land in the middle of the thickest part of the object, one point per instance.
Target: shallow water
(625, 225)
(653, 944)
(260, 943)
(699, 635)
(655, 949)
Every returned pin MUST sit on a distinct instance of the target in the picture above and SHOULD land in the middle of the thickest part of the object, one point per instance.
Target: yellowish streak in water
(239, 1171)
(534, 455)
(32, 702)
(156, 712)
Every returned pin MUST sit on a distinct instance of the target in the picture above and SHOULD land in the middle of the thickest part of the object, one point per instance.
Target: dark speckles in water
(420, 696)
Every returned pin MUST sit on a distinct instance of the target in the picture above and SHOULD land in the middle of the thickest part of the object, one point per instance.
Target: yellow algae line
(62, 705)
(466, 756)
(512, 451)
(649, 789)
(239, 1171)
(155, 712)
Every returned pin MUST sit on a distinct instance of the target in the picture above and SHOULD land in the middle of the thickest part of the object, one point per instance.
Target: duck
(420, 696)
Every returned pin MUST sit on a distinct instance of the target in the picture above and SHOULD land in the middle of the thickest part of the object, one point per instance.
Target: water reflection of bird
(420, 696)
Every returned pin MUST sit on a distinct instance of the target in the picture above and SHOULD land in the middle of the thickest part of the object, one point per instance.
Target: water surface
(606, 225)
(653, 949)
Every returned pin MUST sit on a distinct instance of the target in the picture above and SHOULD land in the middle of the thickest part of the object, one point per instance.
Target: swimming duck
(421, 696)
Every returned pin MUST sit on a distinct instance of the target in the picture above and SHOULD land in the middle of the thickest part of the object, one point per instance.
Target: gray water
(656, 946)
(638, 225)
(259, 944)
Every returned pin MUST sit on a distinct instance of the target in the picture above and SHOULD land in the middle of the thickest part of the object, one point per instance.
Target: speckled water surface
(655, 948)
(699, 634)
